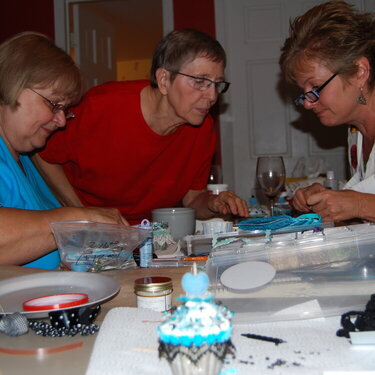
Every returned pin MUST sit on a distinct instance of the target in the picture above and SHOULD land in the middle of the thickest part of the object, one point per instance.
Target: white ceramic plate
(16, 290)
(244, 277)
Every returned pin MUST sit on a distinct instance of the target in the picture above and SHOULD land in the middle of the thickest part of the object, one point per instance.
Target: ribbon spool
(55, 302)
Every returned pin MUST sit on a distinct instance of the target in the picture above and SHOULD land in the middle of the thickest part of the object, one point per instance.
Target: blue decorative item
(195, 284)
(281, 221)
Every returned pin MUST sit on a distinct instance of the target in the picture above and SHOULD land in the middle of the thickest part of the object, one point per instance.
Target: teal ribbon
(278, 222)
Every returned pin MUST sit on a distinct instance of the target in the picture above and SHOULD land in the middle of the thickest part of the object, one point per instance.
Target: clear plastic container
(317, 273)
(202, 244)
(88, 246)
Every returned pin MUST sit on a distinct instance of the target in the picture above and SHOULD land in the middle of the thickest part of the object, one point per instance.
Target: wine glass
(271, 176)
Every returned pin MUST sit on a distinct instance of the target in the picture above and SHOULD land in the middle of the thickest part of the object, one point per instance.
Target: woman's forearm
(56, 179)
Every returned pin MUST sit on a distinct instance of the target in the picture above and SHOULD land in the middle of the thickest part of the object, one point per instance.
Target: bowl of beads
(88, 246)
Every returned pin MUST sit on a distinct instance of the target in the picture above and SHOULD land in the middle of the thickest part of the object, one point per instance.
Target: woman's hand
(227, 202)
(302, 195)
(106, 215)
(94, 214)
(334, 205)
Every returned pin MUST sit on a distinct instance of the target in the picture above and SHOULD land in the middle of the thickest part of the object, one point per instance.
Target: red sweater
(113, 159)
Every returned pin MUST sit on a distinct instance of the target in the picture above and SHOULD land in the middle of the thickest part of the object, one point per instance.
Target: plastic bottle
(146, 249)
(331, 182)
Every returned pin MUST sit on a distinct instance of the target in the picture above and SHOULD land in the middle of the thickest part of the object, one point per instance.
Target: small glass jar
(154, 293)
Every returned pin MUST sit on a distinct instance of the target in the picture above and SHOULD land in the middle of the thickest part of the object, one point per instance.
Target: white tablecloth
(127, 344)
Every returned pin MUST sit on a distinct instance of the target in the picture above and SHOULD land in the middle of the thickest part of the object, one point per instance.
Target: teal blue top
(26, 190)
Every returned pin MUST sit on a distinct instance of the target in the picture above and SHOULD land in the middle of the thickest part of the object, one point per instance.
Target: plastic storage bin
(318, 274)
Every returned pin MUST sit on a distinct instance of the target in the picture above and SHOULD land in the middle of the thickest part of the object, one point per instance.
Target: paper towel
(127, 343)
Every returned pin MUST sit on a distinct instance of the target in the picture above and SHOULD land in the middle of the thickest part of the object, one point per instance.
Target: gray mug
(181, 220)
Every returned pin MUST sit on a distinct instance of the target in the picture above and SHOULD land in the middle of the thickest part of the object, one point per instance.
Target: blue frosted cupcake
(195, 338)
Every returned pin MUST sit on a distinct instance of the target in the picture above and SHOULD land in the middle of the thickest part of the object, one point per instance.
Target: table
(72, 361)
(307, 342)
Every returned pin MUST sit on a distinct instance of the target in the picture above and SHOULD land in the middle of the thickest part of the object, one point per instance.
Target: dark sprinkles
(278, 362)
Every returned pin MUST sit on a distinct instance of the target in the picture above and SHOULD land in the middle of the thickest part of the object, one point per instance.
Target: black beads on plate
(68, 323)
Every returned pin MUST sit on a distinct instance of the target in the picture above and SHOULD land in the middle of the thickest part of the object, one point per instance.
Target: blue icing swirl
(197, 322)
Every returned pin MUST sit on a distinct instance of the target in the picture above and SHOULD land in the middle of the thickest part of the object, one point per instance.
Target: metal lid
(153, 283)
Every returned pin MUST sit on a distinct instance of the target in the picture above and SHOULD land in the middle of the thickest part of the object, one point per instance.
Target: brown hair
(31, 60)
(182, 46)
(332, 33)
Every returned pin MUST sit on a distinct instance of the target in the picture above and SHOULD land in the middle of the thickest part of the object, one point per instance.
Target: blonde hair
(332, 33)
(31, 60)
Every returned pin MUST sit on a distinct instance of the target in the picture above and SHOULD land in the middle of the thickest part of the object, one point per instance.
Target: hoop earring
(361, 98)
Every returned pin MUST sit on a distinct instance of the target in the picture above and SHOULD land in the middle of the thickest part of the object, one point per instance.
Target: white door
(94, 41)
(260, 118)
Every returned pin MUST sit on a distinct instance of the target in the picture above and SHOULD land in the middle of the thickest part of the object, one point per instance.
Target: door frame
(61, 18)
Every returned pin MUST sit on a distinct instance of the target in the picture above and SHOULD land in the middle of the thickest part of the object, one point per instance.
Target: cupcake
(195, 337)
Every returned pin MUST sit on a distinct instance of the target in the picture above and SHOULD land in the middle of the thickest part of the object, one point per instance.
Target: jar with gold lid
(154, 292)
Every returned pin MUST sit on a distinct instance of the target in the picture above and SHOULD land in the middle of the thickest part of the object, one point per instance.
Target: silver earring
(361, 98)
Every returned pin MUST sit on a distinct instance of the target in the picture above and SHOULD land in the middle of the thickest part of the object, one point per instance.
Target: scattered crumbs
(244, 362)
(278, 362)
(296, 364)
(228, 360)
(267, 358)
(250, 356)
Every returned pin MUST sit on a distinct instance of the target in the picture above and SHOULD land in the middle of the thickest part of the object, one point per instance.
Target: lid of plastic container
(244, 277)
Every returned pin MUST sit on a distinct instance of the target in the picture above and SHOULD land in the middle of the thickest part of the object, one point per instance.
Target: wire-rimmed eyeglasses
(313, 96)
(56, 107)
(201, 83)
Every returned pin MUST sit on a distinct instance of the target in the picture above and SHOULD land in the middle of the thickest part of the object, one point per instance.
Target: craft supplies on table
(317, 273)
(154, 292)
(266, 227)
(146, 248)
(89, 246)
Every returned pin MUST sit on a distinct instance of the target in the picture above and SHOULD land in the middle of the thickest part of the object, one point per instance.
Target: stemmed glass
(271, 177)
(216, 175)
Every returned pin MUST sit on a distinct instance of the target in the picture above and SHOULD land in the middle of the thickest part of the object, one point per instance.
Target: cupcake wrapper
(208, 364)
(195, 353)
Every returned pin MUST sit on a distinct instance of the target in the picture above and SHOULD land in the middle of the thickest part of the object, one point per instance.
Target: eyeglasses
(203, 84)
(313, 95)
(56, 107)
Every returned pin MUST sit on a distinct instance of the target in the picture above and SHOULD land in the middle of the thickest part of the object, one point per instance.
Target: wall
(133, 69)
(199, 14)
(196, 14)
(20, 15)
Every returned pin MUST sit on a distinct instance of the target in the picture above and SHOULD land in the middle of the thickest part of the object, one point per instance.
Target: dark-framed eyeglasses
(57, 107)
(202, 84)
(313, 95)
